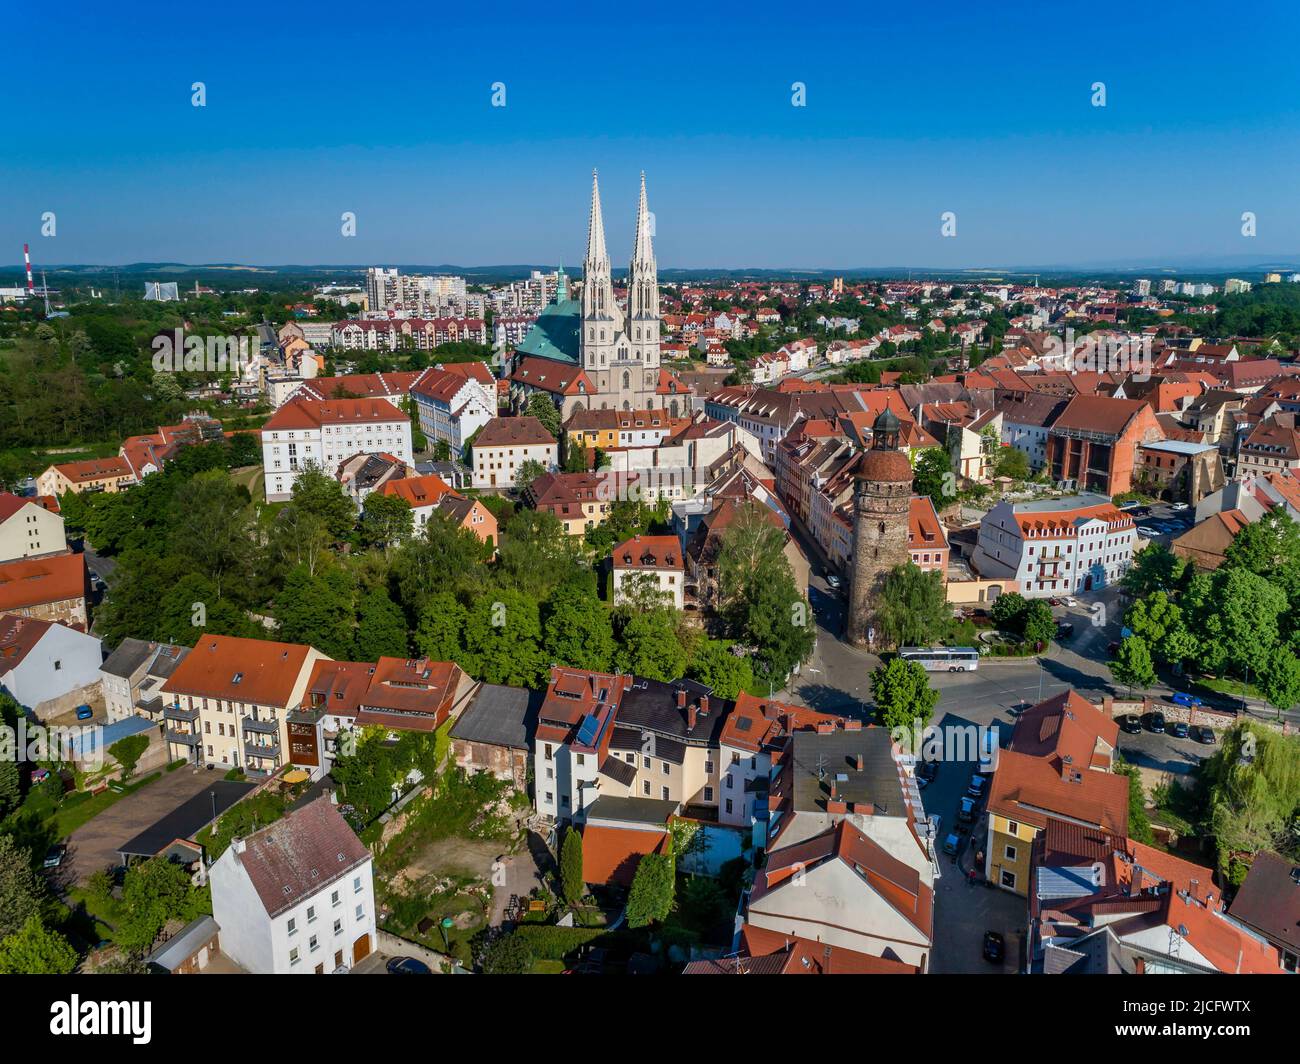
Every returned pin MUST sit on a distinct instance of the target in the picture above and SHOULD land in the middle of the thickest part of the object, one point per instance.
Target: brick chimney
(704, 705)
(681, 698)
(690, 719)
(859, 762)
(853, 725)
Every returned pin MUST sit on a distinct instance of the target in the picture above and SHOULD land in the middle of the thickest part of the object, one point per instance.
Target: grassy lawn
(547, 968)
(74, 812)
(250, 477)
(105, 914)
(1232, 688)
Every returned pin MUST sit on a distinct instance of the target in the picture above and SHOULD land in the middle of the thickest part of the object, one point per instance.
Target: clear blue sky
(912, 110)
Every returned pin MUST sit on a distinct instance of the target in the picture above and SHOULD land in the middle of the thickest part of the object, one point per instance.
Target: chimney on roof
(238, 845)
(691, 718)
(704, 705)
(834, 789)
(853, 725)
(858, 762)
(681, 698)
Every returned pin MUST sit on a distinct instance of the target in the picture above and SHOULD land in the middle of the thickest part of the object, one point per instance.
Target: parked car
(408, 966)
(976, 788)
(1203, 734)
(995, 947)
(925, 773)
(1056, 601)
(833, 581)
(1071, 601)
(1112, 649)
(54, 855)
(1155, 722)
(84, 713)
(1178, 729)
(1181, 698)
(1129, 724)
(967, 809)
(1064, 630)
(1179, 507)
(952, 844)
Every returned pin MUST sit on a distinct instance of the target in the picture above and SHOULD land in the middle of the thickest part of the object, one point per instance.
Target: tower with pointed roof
(620, 352)
(882, 498)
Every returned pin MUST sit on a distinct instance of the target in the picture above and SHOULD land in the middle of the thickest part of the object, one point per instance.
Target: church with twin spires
(616, 350)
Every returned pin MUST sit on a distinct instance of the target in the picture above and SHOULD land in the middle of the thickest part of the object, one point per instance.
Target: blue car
(84, 713)
(1179, 698)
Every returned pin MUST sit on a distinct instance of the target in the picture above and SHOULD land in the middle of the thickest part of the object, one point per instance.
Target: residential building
(495, 733)
(1055, 546)
(47, 667)
(325, 433)
(505, 445)
(52, 588)
(227, 703)
(133, 676)
(848, 861)
(1101, 903)
(452, 405)
(1268, 903)
(1059, 764)
(581, 501)
(296, 897)
(30, 527)
(95, 474)
(645, 563)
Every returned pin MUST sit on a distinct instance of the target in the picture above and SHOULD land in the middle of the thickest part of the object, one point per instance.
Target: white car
(1070, 602)
(1179, 507)
(833, 581)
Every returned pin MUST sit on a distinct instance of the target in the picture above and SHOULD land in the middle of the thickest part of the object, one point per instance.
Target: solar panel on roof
(587, 732)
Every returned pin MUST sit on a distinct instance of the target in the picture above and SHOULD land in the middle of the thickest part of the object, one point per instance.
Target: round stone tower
(882, 493)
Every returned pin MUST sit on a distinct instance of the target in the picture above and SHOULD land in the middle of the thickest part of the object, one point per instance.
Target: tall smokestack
(27, 258)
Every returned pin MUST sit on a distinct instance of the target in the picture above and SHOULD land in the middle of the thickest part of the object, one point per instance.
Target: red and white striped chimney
(27, 258)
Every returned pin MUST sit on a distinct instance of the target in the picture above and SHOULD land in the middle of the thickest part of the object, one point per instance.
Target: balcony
(175, 712)
(264, 750)
(261, 727)
(188, 738)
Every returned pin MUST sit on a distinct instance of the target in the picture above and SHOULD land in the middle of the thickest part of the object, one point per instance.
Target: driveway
(94, 845)
(519, 874)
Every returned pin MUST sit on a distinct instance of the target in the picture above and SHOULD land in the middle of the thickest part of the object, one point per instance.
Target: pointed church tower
(601, 316)
(643, 290)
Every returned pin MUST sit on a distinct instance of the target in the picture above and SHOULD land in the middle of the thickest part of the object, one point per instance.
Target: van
(976, 788)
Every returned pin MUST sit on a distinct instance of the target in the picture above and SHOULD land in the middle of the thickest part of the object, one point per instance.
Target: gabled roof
(300, 855)
(1067, 728)
(244, 670)
(10, 504)
(37, 581)
(313, 414)
(648, 552)
(512, 432)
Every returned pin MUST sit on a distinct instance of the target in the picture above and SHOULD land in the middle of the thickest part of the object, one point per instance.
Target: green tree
(933, 476)
(381, 628)
(542, 407)
(1039, 624)
(503, 635)
(387, 521)
(153, 893)
(20, 891)
(527, 473)
(648, 646)
(1159, 620)
(1154, 569)
(715, 665)
(438, 632)
(317, 493)
(1139, 824)
(10, 787)
(653, 891)
(317, 611)
(126, 752)
(1009, 610)
(903, 695)
(1012, 462)
(571, 881)
(1253, 791)
(1280, 682)
(506, 955)
(36, 950)
(912, 606)
(1132, 666)
(578, 631)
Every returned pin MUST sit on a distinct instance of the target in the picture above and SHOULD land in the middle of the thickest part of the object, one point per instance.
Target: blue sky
(981, 110)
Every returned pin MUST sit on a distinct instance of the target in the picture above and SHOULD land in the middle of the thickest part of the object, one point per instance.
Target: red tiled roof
(243, 670)
(39, 581)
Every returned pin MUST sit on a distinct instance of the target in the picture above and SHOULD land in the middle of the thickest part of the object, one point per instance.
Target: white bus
(939, 659)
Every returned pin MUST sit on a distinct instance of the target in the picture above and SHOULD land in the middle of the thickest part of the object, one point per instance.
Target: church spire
(596, 254)
(643, 246)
